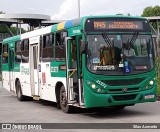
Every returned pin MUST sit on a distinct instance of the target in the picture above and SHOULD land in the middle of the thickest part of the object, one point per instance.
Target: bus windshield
(119, 54)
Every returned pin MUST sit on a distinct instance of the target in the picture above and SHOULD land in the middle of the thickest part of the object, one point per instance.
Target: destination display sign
(117, 25)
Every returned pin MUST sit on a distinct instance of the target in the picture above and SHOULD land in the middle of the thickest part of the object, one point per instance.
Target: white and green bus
(95, 61)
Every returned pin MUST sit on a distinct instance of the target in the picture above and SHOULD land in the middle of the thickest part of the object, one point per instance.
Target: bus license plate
(151, 96)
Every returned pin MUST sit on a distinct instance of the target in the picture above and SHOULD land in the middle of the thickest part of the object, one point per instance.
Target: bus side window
(5, 54)
(73, 53)
(73, 50)
(18, 52)
(60, 53)
(82, 49)
(41, 48)
(25, 51)
(47, 51)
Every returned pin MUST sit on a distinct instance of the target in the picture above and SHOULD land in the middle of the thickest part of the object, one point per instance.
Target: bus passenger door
(78, 39)
(11, 68)
(73, 76)
(34, 42)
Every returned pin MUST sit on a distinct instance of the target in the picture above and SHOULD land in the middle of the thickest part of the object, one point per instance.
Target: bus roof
(14, 38)
(63, 25)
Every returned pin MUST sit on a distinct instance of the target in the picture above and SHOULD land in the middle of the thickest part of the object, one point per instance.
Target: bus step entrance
(76, 91)
(36, 97)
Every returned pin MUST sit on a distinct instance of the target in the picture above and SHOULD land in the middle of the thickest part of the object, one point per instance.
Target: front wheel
(63, 101)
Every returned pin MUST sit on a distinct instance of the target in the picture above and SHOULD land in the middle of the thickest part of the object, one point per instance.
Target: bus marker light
(147, 87)
(99, 90)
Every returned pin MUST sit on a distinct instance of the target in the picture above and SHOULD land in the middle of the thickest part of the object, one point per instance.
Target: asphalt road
(13, 111)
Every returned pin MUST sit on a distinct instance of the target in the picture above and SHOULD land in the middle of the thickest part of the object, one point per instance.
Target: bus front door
(11, 69)
(74, 91)
(34, 71)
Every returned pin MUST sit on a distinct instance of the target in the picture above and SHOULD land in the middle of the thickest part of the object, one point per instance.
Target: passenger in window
(127, 50)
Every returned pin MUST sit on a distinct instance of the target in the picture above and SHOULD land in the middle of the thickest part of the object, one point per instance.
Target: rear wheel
(20, 96)
(63, 101)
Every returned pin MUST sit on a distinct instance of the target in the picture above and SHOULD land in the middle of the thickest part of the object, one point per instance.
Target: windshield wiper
(107, 40)
(133, 39)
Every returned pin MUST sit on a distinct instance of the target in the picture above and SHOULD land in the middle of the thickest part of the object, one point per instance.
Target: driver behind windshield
(127, 50)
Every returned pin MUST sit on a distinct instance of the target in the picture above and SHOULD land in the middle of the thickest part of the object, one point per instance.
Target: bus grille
(124, 97)
(120, 90)
(123, 82)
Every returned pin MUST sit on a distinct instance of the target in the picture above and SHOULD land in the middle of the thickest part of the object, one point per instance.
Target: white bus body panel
(6, 81)
(37, 32)
(47, 91)
(24, 78)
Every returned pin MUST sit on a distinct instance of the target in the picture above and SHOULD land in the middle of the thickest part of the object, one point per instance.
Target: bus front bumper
(105, 100)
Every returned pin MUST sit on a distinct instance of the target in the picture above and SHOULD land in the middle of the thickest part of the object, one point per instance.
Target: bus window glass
(25, 51)
(26, 44)
(60, 54)
(47, 51)
(141, 47)
(5, 54)
(108, 54)
(41, 48)
(18, 52)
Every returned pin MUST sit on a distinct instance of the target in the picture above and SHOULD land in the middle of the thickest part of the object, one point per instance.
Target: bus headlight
(151, 82)
(93, 86)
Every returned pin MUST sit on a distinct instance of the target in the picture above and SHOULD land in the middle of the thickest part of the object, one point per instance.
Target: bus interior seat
(107, 56)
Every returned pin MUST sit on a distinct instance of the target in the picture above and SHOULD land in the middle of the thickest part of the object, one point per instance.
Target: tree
(13, 29)
(151, 11)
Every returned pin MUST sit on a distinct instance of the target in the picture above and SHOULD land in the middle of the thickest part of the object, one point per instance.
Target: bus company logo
(24, 70)
(101, 83)
(54, 69)
(76, 31)
(6, 126)
(125, 89)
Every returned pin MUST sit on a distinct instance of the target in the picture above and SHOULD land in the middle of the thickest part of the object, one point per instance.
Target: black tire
(20, 96)
(63, 101)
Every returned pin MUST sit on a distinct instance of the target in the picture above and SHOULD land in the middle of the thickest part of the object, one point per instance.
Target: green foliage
(157, 64)
(151, 11)
(3, 29)
(14, 30)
